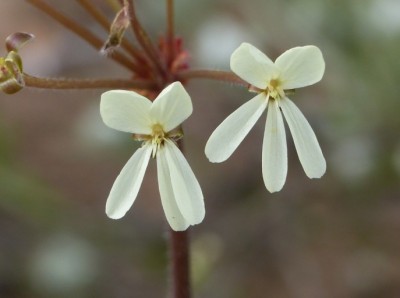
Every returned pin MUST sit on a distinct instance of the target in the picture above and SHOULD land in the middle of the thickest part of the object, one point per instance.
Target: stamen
(157, 138)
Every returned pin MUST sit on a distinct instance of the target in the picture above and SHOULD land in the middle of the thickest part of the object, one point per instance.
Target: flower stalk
(218, 75)
(52, 83)
(144, 39)
(180, 286)
(180, 265)
(170, 33)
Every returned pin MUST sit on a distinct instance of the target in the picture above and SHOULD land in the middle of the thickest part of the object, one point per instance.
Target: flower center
(274, 89)
(157, 137)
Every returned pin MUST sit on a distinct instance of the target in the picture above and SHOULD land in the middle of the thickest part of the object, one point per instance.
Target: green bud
(11, 78)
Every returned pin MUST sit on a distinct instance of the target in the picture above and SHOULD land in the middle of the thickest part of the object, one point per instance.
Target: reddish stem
(179, 254)
(179, 259)
(170, 32)
(218, 75)
(144, 39)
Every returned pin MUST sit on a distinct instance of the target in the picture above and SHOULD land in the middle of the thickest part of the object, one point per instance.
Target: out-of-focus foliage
(333, 237)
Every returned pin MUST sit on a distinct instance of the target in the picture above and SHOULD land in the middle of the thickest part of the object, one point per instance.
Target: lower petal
(307, 146)
(231, 132)
(186, 188)
(171, 210)
(274, 154)
(127, 185)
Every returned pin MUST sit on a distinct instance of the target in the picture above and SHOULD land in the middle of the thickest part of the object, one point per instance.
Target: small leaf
(16, 40)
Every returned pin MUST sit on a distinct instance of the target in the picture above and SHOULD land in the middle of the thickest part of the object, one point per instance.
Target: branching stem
(82, 32)
(105, 23)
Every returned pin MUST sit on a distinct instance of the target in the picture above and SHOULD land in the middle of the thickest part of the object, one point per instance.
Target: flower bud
(16, 40)
(11, 70)
(117, 30)
(11, 78)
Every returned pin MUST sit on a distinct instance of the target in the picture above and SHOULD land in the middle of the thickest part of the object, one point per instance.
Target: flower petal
(186, 188)
(231, 132)
(252, 65)
(274, 154)
(126, 111)
(126, 186)
(171, 107)
(300, 67)
(171, 210)
(306, 142)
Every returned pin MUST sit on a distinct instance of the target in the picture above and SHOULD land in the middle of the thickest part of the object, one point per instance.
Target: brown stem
(81, 31)
(179, 254)
(179, 259)
(105, 23)
(144, 39)
(170, 32)
(51, 83)
(218, 75)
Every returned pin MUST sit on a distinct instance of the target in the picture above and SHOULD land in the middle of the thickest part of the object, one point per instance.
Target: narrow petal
(274, 154)
(300, 67)
(252, 65)
(171, 210)
(186, 188)
(126, 186)
(126, 111)
(231, 132)
(172, 106)
(306, 142)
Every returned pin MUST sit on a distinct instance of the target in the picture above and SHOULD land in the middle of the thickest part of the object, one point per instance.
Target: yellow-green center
(274, 89)
(157, 137)
(158, 134)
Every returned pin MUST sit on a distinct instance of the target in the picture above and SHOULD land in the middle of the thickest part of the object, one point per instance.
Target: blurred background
(333, 237)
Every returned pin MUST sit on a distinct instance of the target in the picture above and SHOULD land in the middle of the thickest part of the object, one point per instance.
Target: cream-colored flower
(295, 68)
(155, 124)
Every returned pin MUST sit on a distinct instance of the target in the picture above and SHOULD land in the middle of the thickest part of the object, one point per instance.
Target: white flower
(154, 123)
(297, 67)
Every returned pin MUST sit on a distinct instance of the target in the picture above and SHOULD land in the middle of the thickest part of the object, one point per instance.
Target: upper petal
(186, 188)
(305, 141)
(300, 67)
(252, 65)
(172, 106)
(171, 210)
(274, 153)
(231, 132)
(126, 186)
(126, 111)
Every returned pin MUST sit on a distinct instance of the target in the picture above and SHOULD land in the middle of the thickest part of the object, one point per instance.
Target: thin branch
(218, 75)
(144, 39)
(105, 23)
(81, 31)
(170, 32)
(53, 83)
